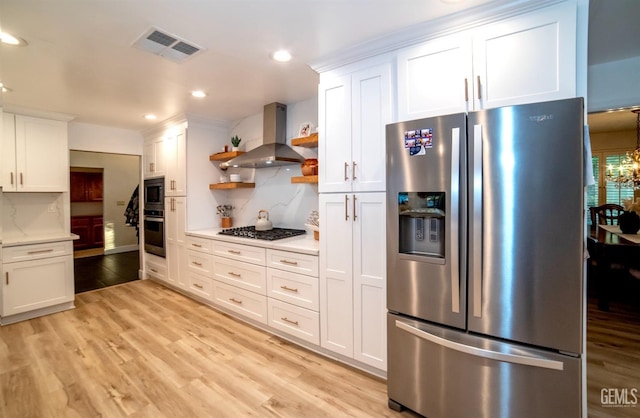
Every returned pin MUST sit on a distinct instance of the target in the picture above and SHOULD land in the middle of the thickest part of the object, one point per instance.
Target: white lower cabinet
(244, 302)
(353, 276)
(37, 279)
(175, 224)
(155, 267)
(246, 276)
(200, 285)
(299, 322)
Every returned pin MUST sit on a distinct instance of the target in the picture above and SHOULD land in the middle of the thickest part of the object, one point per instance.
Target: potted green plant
(235, 142)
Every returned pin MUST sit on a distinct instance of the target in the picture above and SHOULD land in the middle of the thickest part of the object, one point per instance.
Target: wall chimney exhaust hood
(274, 151)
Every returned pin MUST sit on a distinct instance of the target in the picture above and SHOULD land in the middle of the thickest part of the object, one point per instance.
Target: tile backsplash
(23, 215)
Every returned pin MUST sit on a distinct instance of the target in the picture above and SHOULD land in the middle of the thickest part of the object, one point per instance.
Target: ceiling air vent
(166, 45)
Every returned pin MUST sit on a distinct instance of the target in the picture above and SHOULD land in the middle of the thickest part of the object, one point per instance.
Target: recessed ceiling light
(281, 56)
(7, 38)
(150, 116)
(199, 94)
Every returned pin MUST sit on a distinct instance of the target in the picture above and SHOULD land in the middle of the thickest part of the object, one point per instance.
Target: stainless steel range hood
(274, 151)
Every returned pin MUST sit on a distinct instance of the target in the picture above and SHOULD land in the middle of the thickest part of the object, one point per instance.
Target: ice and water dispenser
(421, 220)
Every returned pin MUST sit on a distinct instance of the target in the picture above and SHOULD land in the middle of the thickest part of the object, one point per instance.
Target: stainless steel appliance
(154, 233)
(269, 235)
(485, 263)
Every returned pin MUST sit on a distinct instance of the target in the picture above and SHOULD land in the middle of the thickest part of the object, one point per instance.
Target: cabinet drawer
(240, 252)
(293, 288)
(246, 303)
(36, 251)
(299, 322)
(199, 285)
(199, 263)
(200, 244)
(244, 275)
(294, 262)
(155, 270)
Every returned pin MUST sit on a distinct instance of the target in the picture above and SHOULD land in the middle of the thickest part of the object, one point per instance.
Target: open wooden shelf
(225, 156)
(304, 179)
(232, 185)
(310, 141)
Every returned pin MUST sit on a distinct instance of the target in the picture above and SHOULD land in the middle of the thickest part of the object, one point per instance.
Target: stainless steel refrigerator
(485, 289)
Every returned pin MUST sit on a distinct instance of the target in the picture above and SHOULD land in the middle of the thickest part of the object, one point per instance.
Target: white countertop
(304, 244)
(37, 239)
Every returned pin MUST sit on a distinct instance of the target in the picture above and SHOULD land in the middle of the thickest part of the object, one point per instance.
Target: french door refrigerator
(485, 263)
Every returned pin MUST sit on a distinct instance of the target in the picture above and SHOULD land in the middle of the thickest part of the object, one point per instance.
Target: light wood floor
(141, 350)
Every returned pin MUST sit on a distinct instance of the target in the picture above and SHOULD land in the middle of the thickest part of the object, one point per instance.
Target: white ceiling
(80, 61)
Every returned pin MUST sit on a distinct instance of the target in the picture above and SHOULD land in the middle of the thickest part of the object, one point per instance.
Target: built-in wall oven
(154, 241)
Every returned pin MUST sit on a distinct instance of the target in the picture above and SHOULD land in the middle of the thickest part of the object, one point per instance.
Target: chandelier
(628, 174)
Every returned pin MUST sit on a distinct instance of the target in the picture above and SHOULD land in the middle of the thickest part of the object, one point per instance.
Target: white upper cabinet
(175, 145)
(353, 112)
(435, 78)
(530, 58)
(35, 154)
(153, 157)
(525, 59)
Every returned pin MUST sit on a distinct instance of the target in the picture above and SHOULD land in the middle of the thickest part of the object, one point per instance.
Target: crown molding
(425, 31)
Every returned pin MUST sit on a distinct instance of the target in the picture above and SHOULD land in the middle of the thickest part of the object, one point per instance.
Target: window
(606, 191)
(616, 194)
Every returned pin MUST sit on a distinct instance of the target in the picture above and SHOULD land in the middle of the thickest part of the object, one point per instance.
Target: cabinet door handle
(21, 180)
(199, 286)
(12, 178)
(346, 176)
(7, 277)
(40, 251)
(353, 171)
(234, 300)
(234, 252)
(355, 215)
(479, 89)
(293, 263)
(290, 289)
(466, 90)
(230, 273)
(346, 207)
(285, 319)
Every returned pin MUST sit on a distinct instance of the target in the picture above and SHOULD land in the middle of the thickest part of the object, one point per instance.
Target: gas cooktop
(270, 235)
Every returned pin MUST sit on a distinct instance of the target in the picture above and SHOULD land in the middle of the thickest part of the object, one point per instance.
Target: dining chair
(607, 214)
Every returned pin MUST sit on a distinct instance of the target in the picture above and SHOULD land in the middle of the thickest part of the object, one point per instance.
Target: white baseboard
(122, 249)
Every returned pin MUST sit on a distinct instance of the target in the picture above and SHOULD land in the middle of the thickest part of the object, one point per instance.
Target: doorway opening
(103, 195)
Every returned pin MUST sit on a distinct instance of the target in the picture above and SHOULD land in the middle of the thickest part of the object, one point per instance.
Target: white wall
(87, 137)
(614, 84)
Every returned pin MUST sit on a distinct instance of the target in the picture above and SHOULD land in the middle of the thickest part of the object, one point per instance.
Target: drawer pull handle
(197, 245)
(234, 274)
(154, 270)
(234, 252)
(198, 285)
(293, 263)
(285, 319)
(40, 251)
(234, 300)
(290, 289)
(196, 263)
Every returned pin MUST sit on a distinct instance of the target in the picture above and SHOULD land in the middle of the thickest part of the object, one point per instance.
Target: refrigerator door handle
(476, 219)
(454, 220)
(480, 352)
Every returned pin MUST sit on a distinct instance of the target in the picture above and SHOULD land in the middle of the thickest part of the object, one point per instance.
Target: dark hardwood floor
(100, 271)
